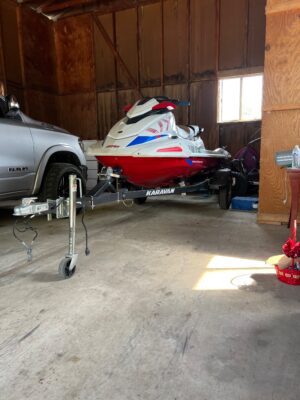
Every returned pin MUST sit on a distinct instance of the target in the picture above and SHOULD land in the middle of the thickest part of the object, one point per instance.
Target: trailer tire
(140, 200)
(225, 193)
(56, 182)
(241, 184)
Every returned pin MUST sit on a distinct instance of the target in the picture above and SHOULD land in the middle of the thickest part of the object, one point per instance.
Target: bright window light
(240, 98)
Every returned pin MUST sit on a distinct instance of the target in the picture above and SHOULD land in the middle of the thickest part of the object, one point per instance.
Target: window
(240, 98)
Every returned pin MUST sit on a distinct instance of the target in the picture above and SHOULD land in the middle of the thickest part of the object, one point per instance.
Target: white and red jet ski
(149, 148)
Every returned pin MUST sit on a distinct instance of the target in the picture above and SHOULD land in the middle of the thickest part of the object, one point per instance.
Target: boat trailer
(105, 191)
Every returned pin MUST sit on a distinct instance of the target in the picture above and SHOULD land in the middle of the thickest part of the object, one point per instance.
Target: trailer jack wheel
(65, 269)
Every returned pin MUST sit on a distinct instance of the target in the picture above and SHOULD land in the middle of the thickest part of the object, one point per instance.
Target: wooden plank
(78, 114)
(151, 91)
(273, 219)
(107, 112)
(280, 132)
(150, 42)
(203, 38)
(282, 60)
(179, 92)
(126, 97)
(106, 7)
(235, 136)
(112, 45)
(204, 110)
(282, 107)
(126, 31)
(11, 46)
(42, 106)
(176, 27)
(38, 51)
(75, 61)
(54, 6)
(279, 6)
(256, 33)
(233, 33)
(104, 59)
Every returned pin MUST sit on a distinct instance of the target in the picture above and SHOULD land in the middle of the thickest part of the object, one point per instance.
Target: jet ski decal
(144, 139)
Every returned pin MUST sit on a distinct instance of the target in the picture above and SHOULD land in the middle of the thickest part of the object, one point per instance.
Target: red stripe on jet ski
(170, 149)
(152, 130)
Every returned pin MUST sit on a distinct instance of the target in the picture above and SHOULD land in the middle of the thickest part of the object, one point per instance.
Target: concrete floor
(165, 307)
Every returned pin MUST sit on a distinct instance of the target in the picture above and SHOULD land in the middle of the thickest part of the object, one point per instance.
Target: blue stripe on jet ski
(188, 161)
(144, 139)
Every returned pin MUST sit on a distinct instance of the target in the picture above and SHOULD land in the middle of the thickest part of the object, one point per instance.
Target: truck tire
(56, 181)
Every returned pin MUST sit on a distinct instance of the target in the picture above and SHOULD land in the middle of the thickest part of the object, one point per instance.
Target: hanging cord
(285, 190)
(22, 227)
(87, 250)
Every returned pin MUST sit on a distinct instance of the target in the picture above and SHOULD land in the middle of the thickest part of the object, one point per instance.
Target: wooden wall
(281, 118)
(28, 61)
(172, 47)
(10, 56)
(72, 73)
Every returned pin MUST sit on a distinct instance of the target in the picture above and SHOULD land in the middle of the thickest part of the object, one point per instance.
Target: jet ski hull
(152, 172)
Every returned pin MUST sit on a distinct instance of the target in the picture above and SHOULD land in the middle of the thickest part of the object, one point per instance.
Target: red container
(291, 248)
(288, 275)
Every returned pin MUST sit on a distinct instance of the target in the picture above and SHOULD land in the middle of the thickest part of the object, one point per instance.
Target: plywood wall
(281, 119)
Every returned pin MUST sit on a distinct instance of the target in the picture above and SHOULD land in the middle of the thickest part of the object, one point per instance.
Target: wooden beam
(115, 52)
(54, 7)
(278, 6)
(106, 8)
(42, 6)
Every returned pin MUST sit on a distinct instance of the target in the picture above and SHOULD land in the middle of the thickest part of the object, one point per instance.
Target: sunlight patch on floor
(231, 273)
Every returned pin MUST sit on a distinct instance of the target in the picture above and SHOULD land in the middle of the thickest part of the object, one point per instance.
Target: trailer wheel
(140, 200)
(225, 194)
(64, 268)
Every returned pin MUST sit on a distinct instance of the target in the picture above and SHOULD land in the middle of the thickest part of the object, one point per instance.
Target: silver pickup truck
(35, 158)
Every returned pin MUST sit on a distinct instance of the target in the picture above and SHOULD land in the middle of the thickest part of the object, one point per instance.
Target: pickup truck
(36, 158)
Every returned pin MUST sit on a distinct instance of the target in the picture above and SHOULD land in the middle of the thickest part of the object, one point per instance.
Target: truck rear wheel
(56, 181)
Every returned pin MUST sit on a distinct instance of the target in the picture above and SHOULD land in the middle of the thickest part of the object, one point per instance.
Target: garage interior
(175, 300)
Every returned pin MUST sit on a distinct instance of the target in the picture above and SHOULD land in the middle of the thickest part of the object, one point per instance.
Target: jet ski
(150, 150)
